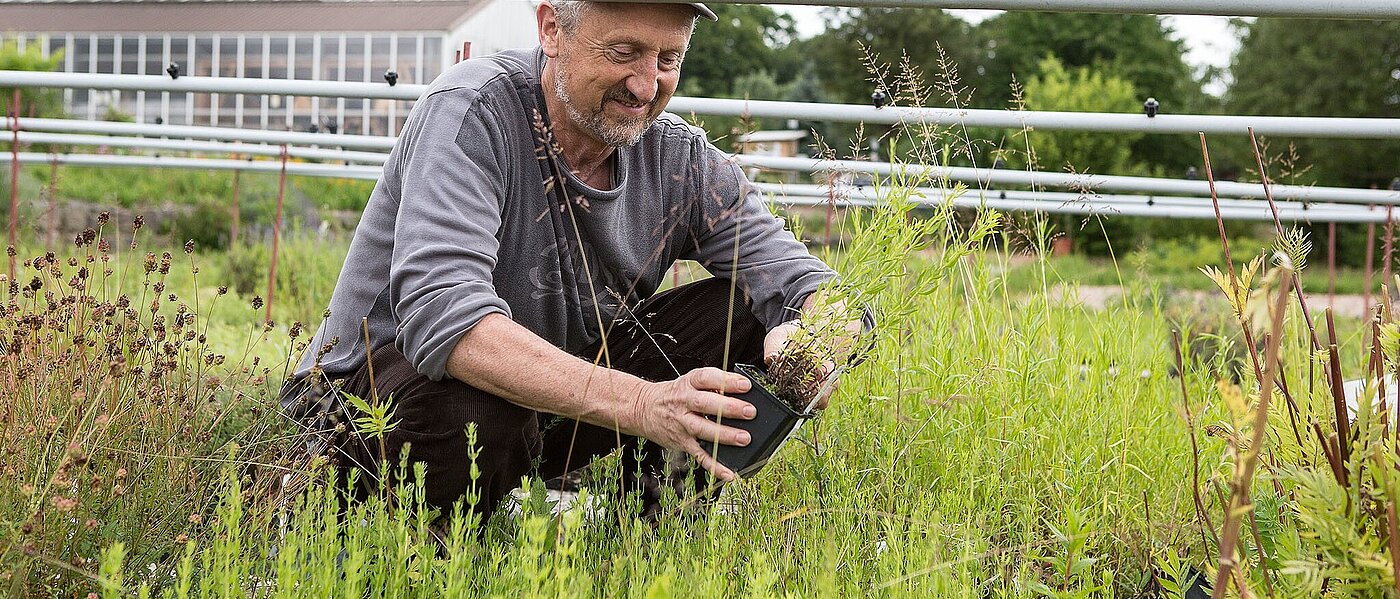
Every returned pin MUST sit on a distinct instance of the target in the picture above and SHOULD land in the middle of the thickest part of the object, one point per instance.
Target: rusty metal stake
(276, 232)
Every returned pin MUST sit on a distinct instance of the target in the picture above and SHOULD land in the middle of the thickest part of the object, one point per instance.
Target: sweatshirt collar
(622, 157)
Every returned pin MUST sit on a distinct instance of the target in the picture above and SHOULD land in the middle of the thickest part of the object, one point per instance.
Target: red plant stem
(1219, 221)
(14, 178)
(1201, 511)
(1331, 264)
(1339, 401)
(276, 231)
(1329, 452)
(1249, 459)
(1278, 227)
(1234, 288)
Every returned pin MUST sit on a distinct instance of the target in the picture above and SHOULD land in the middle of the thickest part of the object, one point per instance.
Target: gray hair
(568, 13)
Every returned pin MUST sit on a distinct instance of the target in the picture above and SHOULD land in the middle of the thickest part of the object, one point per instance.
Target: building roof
(154, 16)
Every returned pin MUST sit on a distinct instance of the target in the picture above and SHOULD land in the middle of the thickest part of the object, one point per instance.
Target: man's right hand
(672, 414)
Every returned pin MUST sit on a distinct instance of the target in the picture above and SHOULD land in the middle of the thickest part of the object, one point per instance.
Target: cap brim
(704, 11)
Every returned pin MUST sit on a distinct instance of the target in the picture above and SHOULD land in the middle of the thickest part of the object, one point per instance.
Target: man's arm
(503, 358)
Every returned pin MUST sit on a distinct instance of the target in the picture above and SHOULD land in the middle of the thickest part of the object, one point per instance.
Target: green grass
(1175, 264)
(1002, 445)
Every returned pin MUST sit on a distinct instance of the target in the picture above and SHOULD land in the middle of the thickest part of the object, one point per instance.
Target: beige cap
(704, 11)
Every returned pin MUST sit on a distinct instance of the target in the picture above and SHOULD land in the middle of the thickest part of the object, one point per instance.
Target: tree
(38, 102)
(1085, 90)
(746, 39)
(1340, 68)
(1136, 48)
(890, 34)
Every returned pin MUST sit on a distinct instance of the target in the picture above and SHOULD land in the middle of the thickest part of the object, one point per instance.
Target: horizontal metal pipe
(1103, 209)
(186, 145)
(1337, 9)
(1166, 123)
(325, 140)
(222, 85)
(335, 171)
(975, 177)
(1291, 126)
(1097, 206)
(1148, 201)
(1074, 182)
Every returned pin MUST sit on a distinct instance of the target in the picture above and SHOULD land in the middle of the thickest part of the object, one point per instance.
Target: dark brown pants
(686, 324)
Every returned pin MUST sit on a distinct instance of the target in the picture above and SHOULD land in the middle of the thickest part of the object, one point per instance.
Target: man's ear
(548, 23)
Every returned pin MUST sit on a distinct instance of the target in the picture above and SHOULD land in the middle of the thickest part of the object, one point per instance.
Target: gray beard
(618, 134)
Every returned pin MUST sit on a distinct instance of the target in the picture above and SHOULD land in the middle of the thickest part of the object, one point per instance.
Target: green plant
(114, 403)
(38, 102)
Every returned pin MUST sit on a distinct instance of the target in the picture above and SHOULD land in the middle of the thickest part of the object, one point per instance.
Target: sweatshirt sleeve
(445, 244)
(737, 237)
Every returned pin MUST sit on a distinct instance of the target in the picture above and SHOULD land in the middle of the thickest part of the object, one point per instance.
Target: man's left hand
(777, 339)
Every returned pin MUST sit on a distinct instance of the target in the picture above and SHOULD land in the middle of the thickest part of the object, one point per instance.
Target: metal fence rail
(1078, 182)
(1163, 123)
(1097, 205)
(209, 147)
(815, 195)
(1336, 9)
(335, 147)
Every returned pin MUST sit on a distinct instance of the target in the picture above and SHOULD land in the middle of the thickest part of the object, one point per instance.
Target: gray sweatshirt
(466, 221)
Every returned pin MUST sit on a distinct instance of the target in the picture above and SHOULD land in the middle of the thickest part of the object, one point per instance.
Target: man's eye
(670, 61)
(623, 53)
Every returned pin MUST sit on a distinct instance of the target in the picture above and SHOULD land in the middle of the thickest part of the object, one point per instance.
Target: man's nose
(644, 81)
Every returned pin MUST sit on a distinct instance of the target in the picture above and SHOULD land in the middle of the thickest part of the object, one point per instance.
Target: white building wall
(500, 25)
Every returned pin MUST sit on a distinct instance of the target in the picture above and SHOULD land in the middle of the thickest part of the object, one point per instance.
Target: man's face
(617, 70)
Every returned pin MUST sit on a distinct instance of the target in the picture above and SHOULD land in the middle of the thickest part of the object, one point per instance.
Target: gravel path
(1097, 296)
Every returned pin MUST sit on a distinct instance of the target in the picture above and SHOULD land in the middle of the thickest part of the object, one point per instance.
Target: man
(531, 198)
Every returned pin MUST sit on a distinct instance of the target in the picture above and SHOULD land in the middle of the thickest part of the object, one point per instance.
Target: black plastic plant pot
(772, 425)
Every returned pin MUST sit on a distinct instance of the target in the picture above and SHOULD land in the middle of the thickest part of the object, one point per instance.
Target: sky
(1209, 40)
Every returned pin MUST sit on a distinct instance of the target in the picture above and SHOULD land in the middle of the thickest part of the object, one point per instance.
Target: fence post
(276, 232)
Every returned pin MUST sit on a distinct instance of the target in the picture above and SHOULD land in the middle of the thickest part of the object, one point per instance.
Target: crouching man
(507, 259)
